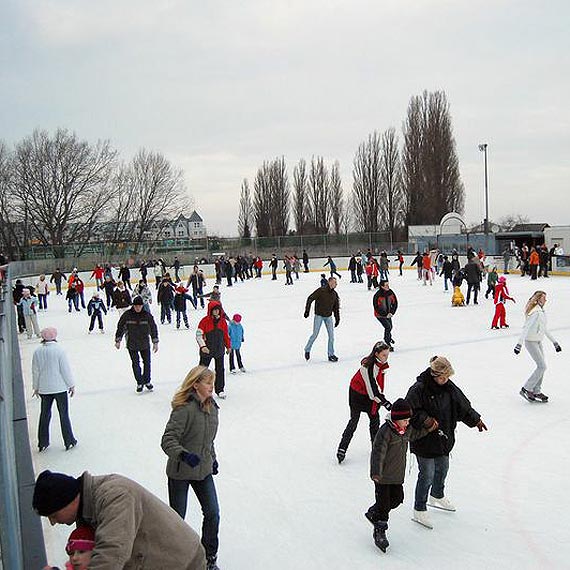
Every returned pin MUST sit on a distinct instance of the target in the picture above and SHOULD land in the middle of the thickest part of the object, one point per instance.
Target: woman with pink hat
(501, 297)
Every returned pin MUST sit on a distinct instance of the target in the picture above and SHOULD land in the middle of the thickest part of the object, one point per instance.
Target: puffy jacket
(473, 272)
(96, 306)
(191, 429)
(535, 326)
(447, 404)
(236, 335)
(165, 294)
(389, 449)
(384, 303)
(326, 302)
(51, 373)
(134, 529)
(213, 333)
(138, 326)
(121, 298)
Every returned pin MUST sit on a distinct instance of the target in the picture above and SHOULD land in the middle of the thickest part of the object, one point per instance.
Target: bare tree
(507, 223)
(262, 201)
(336, 199)
(319, 196)
(300, 196)
(390, 175)
(367, 184)
(279, 183)
(64, 182)
(245, 211)
(431, 179)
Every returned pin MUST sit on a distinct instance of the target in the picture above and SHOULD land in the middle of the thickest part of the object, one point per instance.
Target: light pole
(483, 149)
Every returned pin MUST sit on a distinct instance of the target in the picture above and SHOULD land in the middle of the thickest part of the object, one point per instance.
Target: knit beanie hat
(48, 334)
(236, 318)
(138, 300)
(440, 365)
(401, 410)
(82, 538)
(53, 491)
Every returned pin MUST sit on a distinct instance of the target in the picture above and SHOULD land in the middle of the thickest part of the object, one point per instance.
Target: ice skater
(236, 340)
(332, 267)
(95, 309)
(534, 331)
(366, 395)
(500, 298)
(385, 305)
(388, 465)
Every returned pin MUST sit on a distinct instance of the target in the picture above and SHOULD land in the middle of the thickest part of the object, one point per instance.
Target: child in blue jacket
(236, 338)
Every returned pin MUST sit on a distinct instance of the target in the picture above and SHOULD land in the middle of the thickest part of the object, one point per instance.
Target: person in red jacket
(501, 296)
(213, 339)
(98, 274)
(365, 395)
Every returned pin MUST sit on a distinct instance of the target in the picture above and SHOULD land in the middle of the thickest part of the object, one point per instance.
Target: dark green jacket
(191, 429)
(326, 302)
(388, 459)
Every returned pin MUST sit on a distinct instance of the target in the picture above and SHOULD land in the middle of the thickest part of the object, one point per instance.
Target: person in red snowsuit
(366, 395)
(501, 296)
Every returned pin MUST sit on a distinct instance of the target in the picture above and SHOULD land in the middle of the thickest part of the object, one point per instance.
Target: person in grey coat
(188, 440)
(134, 530)
(52, 380)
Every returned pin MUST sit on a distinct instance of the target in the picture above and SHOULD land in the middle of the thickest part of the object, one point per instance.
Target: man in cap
(139, 326)
(434, 395)
(133, 528)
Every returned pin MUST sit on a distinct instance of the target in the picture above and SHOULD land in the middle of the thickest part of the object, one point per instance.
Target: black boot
(340, 454)
(211, 563)
(379, 535)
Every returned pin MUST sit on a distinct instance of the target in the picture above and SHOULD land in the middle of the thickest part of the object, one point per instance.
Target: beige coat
(134, 530)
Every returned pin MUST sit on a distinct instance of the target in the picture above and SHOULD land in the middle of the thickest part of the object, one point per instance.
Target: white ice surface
(285, 502)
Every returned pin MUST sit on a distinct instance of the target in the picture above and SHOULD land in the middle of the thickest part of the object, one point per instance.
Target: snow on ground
(285, 502)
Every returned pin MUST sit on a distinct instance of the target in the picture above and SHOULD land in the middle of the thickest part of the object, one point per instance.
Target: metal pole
(483, 148)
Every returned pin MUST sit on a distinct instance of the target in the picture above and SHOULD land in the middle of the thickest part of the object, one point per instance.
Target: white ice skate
(443, 504)
(422, 518)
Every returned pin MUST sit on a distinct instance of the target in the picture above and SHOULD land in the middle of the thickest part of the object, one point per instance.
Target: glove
(215, 467)
(118, 344)
(518, 349)
(337, 322)
(306, 315)
(384, 402)
(190, 458)
(557, 347)
(481, 426)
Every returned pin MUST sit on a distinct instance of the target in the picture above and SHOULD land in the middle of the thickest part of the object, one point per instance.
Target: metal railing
(21, 539)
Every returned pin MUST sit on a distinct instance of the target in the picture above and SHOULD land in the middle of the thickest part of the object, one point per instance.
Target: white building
(183, 227)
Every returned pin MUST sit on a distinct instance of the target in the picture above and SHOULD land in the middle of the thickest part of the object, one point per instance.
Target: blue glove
(190, 458)
(215, 467)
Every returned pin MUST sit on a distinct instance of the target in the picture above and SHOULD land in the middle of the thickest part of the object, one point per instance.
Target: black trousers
(388, 497)
(99, 318)
(472, 287)
(238, 356)
(387, 324)
(359, 403)
(144, 376)
(220, 381)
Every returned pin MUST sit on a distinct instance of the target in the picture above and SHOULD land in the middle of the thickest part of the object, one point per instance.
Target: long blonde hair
(533, 301)
(196, 375)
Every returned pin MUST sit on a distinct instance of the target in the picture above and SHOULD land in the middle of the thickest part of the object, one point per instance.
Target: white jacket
(535, 328)
(51, 373)
(42, 287)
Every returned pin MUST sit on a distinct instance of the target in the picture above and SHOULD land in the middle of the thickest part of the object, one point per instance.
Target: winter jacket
(109, 287)
(180, 299)
(125, 274)
(197, 281)
(447, 404)
(138, 327)
(213, 333)
(389, 450)
(236, 335)
(418, 260)
(121, 298)
(165, 295)
(326, 301)
(71, 293)
(535, 327)
(447, 270)
(384, 303)
(95, 306)
(134, 529)
(501, 294)
(42, 287)
(51, 373)
(492, 278)
(331, 264)
(190, 429)
(473, 272)
(98, 273)
(534, 258)
(144, 293)
(29, 305)
(57, 276)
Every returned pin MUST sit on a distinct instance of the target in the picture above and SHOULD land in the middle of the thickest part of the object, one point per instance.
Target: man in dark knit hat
(133, 528)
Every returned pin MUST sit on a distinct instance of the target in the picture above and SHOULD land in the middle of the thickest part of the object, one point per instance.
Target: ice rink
(285, 501)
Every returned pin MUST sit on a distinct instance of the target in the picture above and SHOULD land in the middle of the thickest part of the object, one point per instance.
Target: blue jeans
(45, 418)
(317, 323)
(205, 492)
(433, 471)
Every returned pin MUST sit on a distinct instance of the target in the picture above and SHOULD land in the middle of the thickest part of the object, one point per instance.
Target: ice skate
(139, 388)
(443, 504)
(379, 535)
(222, 395)
(340, 454)
(242, 369)
(540, 397)
(149, 386)
(233, 371)
(421, 517)
(527, 395)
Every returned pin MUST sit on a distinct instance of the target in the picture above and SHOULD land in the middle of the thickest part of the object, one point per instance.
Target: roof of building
(529, 227)
(195, 217)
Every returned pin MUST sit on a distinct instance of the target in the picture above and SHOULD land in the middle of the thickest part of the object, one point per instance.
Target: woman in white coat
(534, 331)
(52, 380)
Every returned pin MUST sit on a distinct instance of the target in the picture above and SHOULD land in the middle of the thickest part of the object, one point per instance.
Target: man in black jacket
(385, 305)
(138, 325)
(327, 303)
(435, 396)
(473, 275)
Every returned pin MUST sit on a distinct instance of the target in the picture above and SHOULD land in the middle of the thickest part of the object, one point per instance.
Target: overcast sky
(220, 86)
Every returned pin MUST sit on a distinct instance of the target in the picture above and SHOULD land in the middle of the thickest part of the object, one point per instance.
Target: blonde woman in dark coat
(188, 441)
